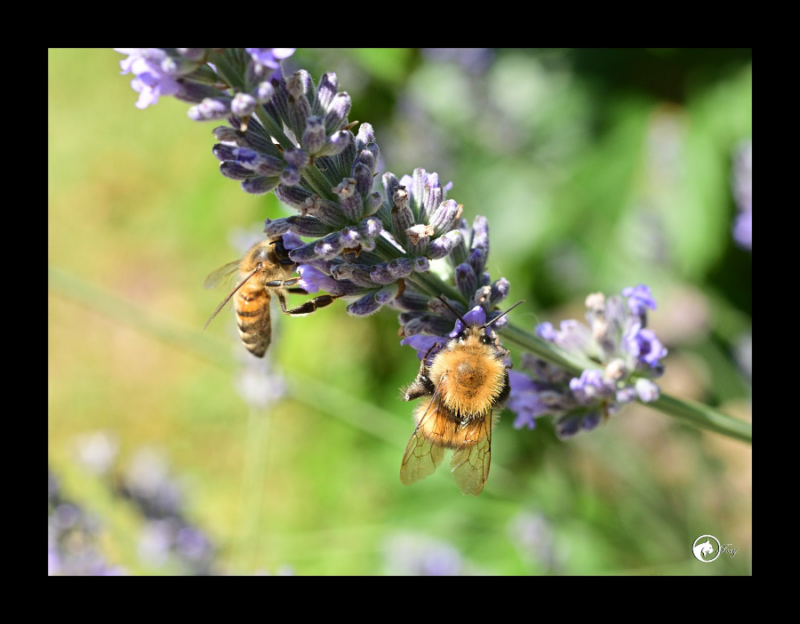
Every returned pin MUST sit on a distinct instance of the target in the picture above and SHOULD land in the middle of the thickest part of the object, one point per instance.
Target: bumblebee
(265, 269)
(467, 381)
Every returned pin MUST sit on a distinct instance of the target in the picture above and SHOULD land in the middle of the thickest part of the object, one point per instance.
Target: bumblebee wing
(470, 463)
(223, 272)
(422, 456)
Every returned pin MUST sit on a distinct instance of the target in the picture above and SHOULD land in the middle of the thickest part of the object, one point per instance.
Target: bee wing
(223, 272)
(422, 457)
(470, 464)
(228, 298)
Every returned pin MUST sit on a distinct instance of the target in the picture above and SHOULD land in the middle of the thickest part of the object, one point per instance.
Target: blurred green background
(597, 169)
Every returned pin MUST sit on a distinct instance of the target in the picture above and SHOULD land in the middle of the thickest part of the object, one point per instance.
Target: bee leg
(282, 283)
(309, 306)
(422, 385)
(298, 291)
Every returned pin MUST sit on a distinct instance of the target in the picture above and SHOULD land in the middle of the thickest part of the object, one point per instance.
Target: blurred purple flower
(153, 77)
(270, 57)
(639, 299)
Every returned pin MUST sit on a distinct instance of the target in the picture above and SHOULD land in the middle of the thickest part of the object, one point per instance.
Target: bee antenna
(496, 318)
(453, 310)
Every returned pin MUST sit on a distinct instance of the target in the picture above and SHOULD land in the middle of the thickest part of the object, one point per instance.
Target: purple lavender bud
(223, 152)
(444, 217)
(290, 176)
(434, 196)
(277, 227)
(314, 135)
(438, 307)
(264, 92)
(401, 267)
(235, 172)
(259, 185)
(375, 151)
(646, 390)
(373, 203)
(328, 247)
(476, 316)
(314, 280)
(402, 217)
(370, 227)
(226, 134)
(337, 143)
(349, 238)
(297, 158)
(260, 163)
(545, 331)
(380, 274)
(644, 345)
(269, 57)
(305, 254)
(499, 291)
(466, 280)
(412, 301)
(626, 395)
(309, 226)
(440, 247)
(422, 264)
(294, 196)
(209, 109)
(362, 174)
(325, 92)
(424, 344)
(480, 234)
(299, 111)
(365, 136)
(501, 324)
(349, 199)
(417, 188)
(371, 302)
(639, 299)
(477, 260)
(567, 426)
(336, 115)
(300, 84)
(326, 211)
(591, 387)
(590, 420)
(418, 237)
(151, 80)
(390, 184)
(358, 274)
(194, 92)
(243, 104)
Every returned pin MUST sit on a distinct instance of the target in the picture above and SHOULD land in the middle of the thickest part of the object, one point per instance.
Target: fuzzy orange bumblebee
(467, 381)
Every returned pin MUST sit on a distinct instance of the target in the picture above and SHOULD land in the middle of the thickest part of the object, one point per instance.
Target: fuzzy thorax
(471, 377)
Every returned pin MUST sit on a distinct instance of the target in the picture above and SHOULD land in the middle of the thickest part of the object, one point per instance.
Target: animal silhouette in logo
(702, 549)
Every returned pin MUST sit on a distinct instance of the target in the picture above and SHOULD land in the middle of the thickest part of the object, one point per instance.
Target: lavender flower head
(616, 337)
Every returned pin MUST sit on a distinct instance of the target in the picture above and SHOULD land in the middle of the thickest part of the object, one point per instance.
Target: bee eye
(461, 336)
(486, 340)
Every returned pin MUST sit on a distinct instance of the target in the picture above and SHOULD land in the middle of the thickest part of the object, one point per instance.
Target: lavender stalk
(374, 249)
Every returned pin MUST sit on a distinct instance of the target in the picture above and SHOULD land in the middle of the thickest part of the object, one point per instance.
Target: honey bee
(467, 381)
(265, 269)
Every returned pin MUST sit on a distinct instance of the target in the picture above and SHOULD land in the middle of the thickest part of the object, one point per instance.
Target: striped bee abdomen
(252, 317)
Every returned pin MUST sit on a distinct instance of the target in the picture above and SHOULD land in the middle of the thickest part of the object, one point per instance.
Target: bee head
(471, 327)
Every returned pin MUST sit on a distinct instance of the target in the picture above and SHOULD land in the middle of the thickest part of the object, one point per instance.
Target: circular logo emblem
(706, 548)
